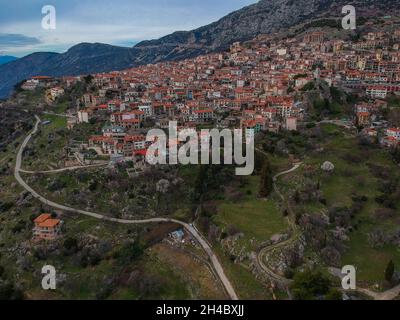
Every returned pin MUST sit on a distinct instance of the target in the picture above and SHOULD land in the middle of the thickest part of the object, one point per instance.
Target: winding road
(262, 253)
(207, 248)
(64, 169)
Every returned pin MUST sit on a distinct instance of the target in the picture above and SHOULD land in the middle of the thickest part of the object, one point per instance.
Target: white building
(377, 92)
(291, 124)
(83, 116)
(393, 132)
(203, 115)
(148, 110)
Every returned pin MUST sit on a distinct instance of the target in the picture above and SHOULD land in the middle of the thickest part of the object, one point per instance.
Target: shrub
(389, 272)
(70, 245)
(129, 252)
(310, 284)
(9, 292)
(232, 230)
(5, 206)
(334, 294)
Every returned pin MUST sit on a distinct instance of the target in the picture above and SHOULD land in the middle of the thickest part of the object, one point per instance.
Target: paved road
(283, 243)
(213, 258)
(65, 169)
(346, 124)
(59, 114)
(341, 123)
(261, 255)
(275, 178)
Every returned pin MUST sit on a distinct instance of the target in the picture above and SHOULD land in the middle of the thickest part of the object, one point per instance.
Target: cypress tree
(389, 272)
(266, 183)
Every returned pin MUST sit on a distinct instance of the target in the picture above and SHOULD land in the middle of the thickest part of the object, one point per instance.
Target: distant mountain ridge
(266, 16)
(7, 59)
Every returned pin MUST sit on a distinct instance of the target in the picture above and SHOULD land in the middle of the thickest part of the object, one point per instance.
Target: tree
(389, 272)
(88, 79)
(70, 246)
(266, 183)
(199, 185)
(309, 284)
(396, 154)
(334, 294)
(9, 292)
(297, 196)
(394, 116)
(308, 86)
(130, 252)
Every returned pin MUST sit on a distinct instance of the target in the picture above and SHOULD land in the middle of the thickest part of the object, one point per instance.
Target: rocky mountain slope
(266, 16)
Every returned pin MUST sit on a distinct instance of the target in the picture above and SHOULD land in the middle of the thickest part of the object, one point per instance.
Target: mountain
(83, 58)
(266, 16)
(6, 59)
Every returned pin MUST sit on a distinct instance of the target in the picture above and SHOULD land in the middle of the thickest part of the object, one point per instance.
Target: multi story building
(47, 228)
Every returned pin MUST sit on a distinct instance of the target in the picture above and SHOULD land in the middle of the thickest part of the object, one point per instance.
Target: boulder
(328, 166)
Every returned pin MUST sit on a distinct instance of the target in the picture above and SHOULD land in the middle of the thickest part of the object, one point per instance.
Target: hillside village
(258, 85)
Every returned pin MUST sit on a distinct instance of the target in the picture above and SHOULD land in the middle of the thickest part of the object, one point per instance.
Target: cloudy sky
(118, 22)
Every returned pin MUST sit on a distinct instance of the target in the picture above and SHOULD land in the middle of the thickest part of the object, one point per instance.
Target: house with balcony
(47, 228)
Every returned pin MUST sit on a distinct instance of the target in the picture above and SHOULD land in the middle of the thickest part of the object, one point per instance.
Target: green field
(258, 219)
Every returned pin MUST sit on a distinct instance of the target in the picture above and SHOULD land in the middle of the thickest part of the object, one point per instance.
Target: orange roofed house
(46, 227)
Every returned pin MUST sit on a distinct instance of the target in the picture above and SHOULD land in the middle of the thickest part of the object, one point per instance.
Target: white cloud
(114, 22)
